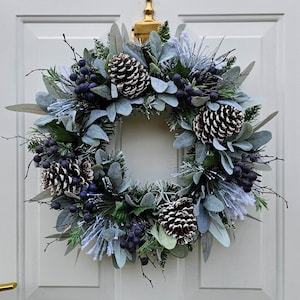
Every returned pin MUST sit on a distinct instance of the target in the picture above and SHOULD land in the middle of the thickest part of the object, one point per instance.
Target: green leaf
(265, 121)
(179, 30)
(218, 230)
(41, 196)
(245, 132)
(158, 85)
(244, 74)
(199, 101)
(71, 195)
(262, 166)
(185, 180)
(100, 65)
(148, 200)
(212, 203)
(64, 219)
(244, 145)
(115, 174)
(40, 122)
(168, 52)
(125, 185)
(90, 141)
(100, 156)
(197, 176)
(260, 138)
(165, 240)
(226, 162)
(137, 211)
(103, 91)
(115, 40)
(218, 145)
(159, 105)
(96, 132)
(184, 140)
(180, 251)
(98, 171)
(232, 74)
(27, 108)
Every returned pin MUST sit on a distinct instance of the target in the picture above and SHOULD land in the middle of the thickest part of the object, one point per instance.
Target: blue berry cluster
(243, 171)
(84, 78)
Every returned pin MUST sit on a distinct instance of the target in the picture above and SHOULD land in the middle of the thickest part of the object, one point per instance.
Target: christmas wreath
(100, 207)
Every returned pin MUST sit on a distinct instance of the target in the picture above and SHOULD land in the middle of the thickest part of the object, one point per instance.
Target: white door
(263, 261)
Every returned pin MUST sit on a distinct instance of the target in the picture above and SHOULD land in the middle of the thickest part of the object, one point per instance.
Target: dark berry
(75, 181)
(136, 240)
(89, 205)
(247, 168)
(93, 78)
(84, 71)
(198, 93)
(55, 205)
(73, 208)
(83, 195)
(80, 80)
(253, 157)
(64, 163)
(128, 225)
(81, 63)
(213, 96)
(87, 217)
(39, 149)
(189, 89)
(73, 77)
(180, 94)
(130, 235)
(37, 158)
(70, 155)
(90, 96)
(123, 244)
(52, 142)
(176, 77)
(92, 85)
(237, 171)
(130, 246)
(138, 232)
(252, 176)
(92, 187)
(46, 164)
(54, 148)
(144, 260)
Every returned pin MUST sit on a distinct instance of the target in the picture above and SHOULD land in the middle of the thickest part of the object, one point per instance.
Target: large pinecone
(60, 178)
(178, 220)
(219, 124)
(130, 77)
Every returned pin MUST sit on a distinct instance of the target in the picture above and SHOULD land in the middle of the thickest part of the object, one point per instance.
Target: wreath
(213, 120)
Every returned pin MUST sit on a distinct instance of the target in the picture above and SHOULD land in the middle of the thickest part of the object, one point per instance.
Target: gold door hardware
(142, 29)
(7, 286)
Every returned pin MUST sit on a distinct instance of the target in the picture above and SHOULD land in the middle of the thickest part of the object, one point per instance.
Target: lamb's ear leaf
(27, 108)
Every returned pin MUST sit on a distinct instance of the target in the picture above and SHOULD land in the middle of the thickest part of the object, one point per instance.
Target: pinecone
(219, 124)
(130, 77)
(178, 220)
(59, 178)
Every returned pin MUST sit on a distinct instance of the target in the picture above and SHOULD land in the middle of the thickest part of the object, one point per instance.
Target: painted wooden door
(262, 262)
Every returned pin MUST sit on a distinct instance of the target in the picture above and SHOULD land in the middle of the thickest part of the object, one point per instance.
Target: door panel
(252, 268)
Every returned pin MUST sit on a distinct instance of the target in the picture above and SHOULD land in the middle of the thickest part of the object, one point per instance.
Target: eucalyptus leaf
(199, 101)
(120, 254)
(164, 239)
(41, 196)
(159, 105)
(218, 230)
(64, 219)
(148, 199)
(185, 126)
(202, 217)
(206, 244)
(124, 32)
(54, 90)
(27, 108)
(158, 85)
(114, 91)
(180, 251)
(180, 28)
(185, 180)
(125, 185)
(169, 99)
(184, 140)
(196, 177)
(200, 152)
(95, 115)
(123, 107)
(43, 100)
(129, 201)
(232, 74)
(226, 162)
(245, 132)
(265, 121)
(98, 171)
(44, 120)
(244, 74)
(214, 106)
(244, 145)
(262, 166)
(71, 195)
(137, 211)
(101, 156)
(103, 91)
(212, 203)
(100, 65)
(90, 141)
(135, 51)
(168, 52)
(155, 44)
(218, 145)
(96, 132)
(231, 103)
(259, 139)
(115, 40)
(230, 146)
(115, 174)
(111, 112)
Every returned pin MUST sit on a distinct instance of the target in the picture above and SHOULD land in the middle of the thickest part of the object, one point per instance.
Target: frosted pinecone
(130, 77)
(178, 220)
(219, 124)
(60, 177)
